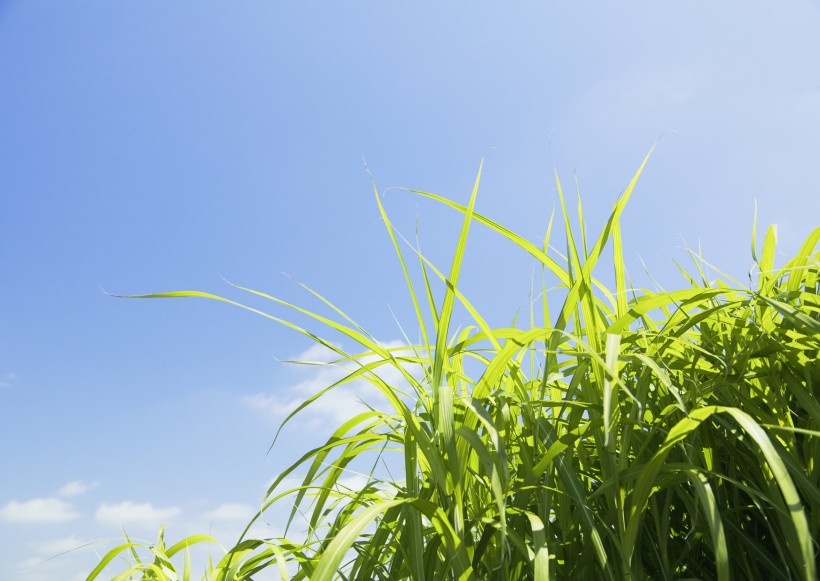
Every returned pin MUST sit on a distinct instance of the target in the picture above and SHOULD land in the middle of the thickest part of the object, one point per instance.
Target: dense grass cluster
(622, 435)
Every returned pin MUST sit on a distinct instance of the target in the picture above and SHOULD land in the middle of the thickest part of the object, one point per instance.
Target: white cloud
(270, 404)
(48, 569)
(352, 483)
(231, 512)
(75, 488)
(38, 510)
(133, 513)
(30, 562)
(337, 405)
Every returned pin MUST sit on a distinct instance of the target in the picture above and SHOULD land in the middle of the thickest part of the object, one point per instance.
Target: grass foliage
(619, 435)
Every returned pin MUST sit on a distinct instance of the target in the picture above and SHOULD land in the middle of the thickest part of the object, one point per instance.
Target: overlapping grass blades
(638, 435)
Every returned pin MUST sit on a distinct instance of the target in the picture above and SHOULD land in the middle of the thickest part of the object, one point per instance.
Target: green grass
(620, 434)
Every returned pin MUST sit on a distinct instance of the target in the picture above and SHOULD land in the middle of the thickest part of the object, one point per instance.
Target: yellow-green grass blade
(489, 334)
(529, 247)
(662, 376)
(613, 344)
(407, 278)
(754, 234)
(449, 296)
(580, 293)
(187, 542)
(711, 511)
(620, 270)
(442, 389)
(322, 298)
(802, 264)
(795, 315)
(340, 438)
(577, 492)
(357, 336)
(431, 301)
(491, 470)
(648, 303)
(412, 517)
(366, 372)
(110, 556)
(541, 562)
(327, 567)
(767, 259)
(573, 259)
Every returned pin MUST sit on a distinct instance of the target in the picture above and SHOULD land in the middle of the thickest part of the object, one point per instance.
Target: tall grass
(621, 435)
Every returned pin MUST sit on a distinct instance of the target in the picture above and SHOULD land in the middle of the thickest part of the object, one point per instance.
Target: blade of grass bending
(647, 303)
(516, 341)
(363, 340)
(326, 301)
(368, 370)
(796, 316)
(647, 481)
(110, 556)
(529, 247)
(188, 541)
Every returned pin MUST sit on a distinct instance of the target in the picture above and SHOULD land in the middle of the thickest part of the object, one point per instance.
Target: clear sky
(152, 146)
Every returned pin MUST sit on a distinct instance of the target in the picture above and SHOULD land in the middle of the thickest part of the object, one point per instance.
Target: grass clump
(622, 435)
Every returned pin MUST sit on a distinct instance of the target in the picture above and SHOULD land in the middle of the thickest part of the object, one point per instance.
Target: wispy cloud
(38, 511)
(7, 380)
(76, 488)
(128, 512)
(339, 404)
(46, 569)
(647, 96)
(231, 512)
(61, 545)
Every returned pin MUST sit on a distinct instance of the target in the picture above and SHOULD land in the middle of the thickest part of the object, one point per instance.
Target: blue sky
(151, 146)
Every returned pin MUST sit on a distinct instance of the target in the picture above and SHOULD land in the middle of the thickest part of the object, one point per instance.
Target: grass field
(615, 433)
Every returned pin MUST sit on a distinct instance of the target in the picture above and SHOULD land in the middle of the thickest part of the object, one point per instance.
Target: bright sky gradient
(152, 146)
